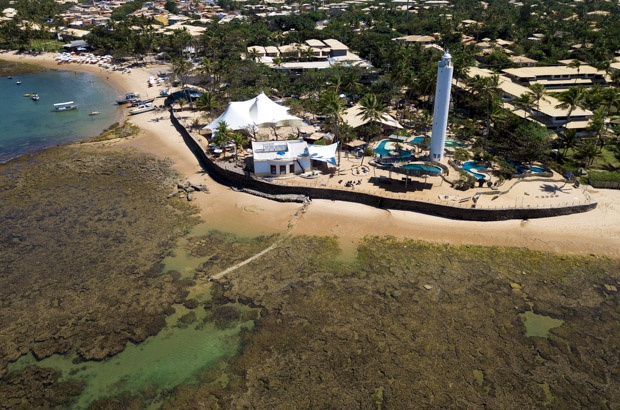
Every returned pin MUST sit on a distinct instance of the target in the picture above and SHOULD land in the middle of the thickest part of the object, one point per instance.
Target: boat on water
(142, 108)
(35, 97)
(142, 102)
(18, 82)
(129, 98)
(65, 106)
(94, 113)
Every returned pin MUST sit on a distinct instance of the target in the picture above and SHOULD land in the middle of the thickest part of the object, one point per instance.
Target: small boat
(65, 106)
(142, 108)
(18, 82)
(142, 102)
(35, 97)
(10, 77)
(129, 98)
(94, 113)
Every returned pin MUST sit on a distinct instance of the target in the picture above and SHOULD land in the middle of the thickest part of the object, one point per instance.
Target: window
(291, 168)
(282, 169)
(273, 170)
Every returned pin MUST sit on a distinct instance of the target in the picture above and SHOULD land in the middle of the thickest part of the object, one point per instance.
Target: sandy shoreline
(596, 232)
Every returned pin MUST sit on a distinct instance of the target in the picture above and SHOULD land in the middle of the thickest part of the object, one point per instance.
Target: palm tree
(239, 140)
(570, 99)
(487, 89)
(568, 139)
(588, 150)
(331, 104)
(207, 67)
(253, 54)
(575, 64)
(207, 102)
(597, 126)
(372, 110)
(539, 92)
(611, 98)
(524, 102)
(223, 134)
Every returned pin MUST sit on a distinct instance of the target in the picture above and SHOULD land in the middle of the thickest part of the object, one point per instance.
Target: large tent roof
(353, 117)
(253, 113)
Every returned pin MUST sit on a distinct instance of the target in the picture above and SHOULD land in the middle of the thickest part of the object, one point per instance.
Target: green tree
(529, 142)
(568, 139)
(372, 110)
(332, 105)
(539, 92)
(207, 102)
(524, 102)
(588, 151)
(487, 90)
(570, 99)
(239, 140)
(223, 134)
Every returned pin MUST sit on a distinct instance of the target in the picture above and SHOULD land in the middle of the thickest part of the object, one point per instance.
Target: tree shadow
(553, 188)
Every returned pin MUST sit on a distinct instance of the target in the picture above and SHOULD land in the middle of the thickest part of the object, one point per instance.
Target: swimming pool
(430, 169)
(521, 168)
(449, 142)
(385, 151)
(473, 166)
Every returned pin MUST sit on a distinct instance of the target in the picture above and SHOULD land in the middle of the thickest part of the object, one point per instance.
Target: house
(557, 78)
(291, 157)
(272, 158)
(547, 113)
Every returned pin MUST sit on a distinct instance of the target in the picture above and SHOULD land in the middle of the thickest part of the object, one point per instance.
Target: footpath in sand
(596, 232)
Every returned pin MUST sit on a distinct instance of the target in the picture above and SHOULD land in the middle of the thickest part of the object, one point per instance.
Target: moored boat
(142, 102)
(35, 97)
(142, 108)
(129, 98)
(65, 106)
(18, 82)
(94, 113)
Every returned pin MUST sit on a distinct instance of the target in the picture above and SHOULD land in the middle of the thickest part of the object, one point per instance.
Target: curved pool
(383, 150)
(475, 168)
(522, 168)
(450, 143)
(423, 167)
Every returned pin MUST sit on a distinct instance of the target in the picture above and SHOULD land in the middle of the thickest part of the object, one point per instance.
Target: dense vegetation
(404, 74)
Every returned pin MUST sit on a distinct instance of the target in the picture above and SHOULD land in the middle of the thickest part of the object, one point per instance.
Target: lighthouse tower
(442, 107)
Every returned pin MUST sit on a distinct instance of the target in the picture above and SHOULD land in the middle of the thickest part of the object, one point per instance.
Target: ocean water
(27, 125)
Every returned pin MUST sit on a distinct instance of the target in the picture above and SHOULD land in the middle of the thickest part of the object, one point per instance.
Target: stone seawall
(237, 180)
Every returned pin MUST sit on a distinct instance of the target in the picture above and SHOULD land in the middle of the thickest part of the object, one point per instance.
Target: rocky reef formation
(84, 230)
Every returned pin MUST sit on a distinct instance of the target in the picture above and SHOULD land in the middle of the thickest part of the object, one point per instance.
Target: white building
(291, 157)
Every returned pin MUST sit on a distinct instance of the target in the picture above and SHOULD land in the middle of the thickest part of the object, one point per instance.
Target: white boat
(142, 108)
(94, 113)
(65, 106)
(35, 97)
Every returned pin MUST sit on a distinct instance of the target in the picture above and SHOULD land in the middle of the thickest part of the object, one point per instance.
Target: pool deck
(528, 192)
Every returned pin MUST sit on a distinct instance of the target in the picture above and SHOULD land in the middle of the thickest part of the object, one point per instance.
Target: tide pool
(27, 125)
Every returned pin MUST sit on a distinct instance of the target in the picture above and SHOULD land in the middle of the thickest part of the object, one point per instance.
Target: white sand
(596, 232)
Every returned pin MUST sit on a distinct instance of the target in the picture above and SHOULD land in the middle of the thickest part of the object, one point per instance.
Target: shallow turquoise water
(27, 125)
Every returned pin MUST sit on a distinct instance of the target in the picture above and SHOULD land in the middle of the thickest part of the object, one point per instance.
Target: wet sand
(595, 232)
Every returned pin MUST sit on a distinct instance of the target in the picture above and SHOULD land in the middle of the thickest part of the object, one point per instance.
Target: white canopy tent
(251, 114)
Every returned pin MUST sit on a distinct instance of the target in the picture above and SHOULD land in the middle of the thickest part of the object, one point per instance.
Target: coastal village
(354, 204)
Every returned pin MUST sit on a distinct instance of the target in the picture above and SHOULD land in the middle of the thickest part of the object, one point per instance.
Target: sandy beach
(595, 232)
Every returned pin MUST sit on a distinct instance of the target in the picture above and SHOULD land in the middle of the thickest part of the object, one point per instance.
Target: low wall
(605, 184)
(234, 179)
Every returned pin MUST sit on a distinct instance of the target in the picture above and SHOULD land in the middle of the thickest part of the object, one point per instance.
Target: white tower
(442, 107)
